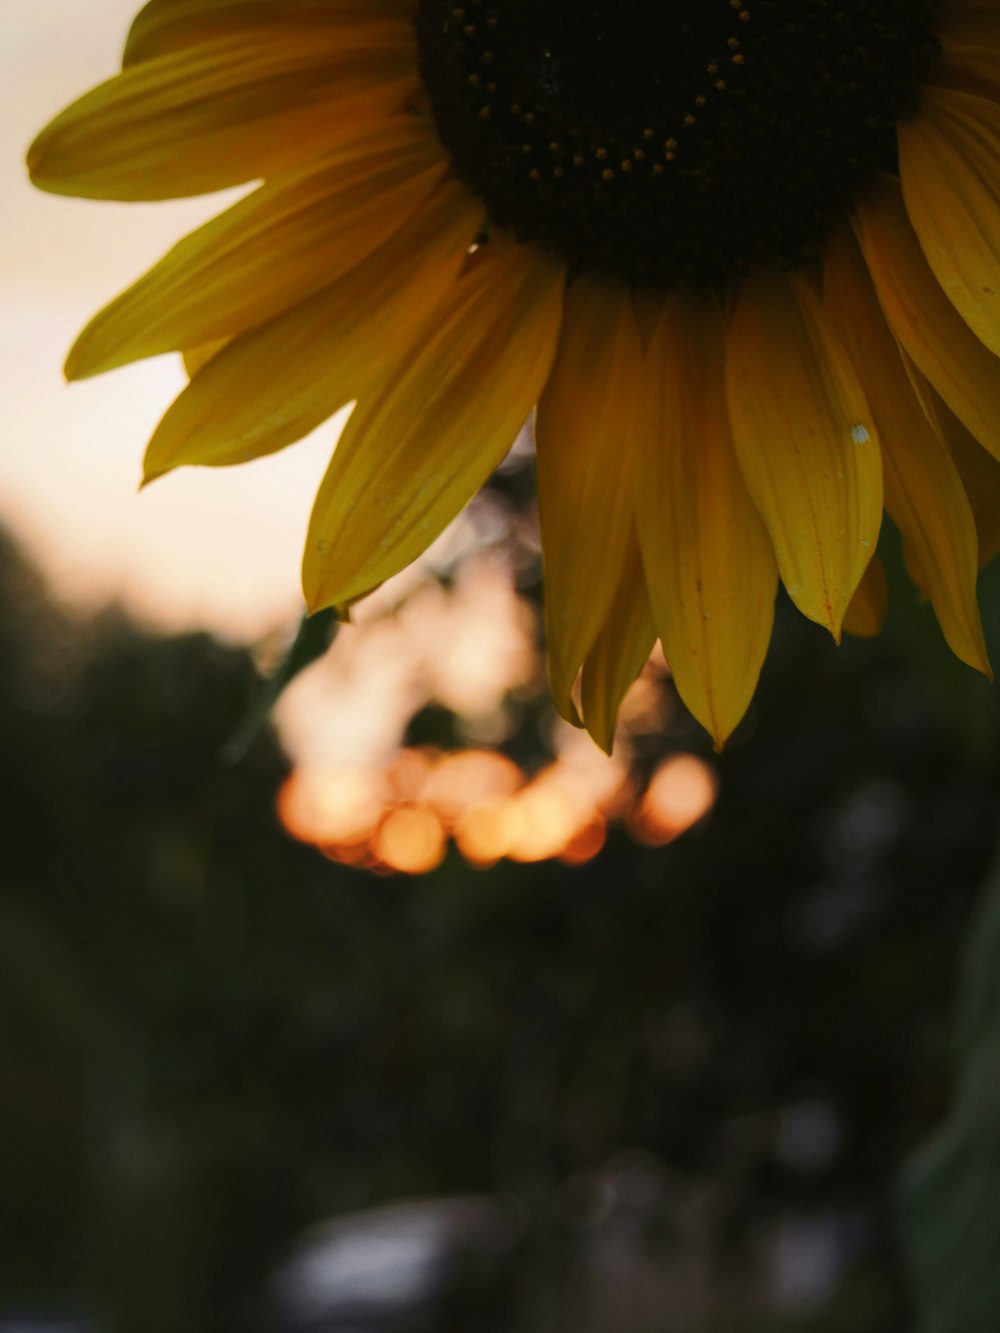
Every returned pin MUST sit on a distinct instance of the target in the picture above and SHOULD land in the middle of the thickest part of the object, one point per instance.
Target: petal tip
(720, 732)
(602, 735)
(979, 661)
(568, 711)
(315, 601)
(35, 161)
(73, 365)
(81, 362)
(154, 465)
(719, 723)
(320, 591)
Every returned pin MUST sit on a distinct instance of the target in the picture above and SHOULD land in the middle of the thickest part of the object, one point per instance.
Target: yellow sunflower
(743, 258)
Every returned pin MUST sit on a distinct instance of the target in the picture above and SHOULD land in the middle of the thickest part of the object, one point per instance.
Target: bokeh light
(681, 792)
(401, 818)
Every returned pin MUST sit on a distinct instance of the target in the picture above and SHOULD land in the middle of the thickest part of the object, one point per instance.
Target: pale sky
(201, 548)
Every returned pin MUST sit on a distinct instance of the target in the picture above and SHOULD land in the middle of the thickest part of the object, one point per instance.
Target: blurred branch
(951, 1190)
(314, 636)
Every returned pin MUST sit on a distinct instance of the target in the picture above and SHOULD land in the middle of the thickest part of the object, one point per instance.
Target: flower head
(741, 257)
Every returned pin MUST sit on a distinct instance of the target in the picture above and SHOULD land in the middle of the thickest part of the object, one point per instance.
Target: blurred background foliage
(681, 1082)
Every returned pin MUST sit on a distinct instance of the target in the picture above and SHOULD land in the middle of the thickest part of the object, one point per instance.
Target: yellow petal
(942, 346)
(709, 562)
(414, 452)
(969, 34)
(280, 244)
(923, 491)
(619, 653)
(584, 441)
(229, 111)
(164, 26)
(866, 613)
(988, 527)
(949, 166)
(274, 384)
(980, 473)
(195, 358)
(915, 569)
(806, 442)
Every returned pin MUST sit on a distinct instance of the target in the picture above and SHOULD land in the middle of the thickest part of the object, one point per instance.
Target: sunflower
(739, 262)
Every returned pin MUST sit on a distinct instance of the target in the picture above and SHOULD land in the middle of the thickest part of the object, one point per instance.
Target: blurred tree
(213, 1036)
(950, 1198)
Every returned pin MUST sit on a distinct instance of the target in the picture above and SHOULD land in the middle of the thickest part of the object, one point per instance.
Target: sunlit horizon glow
(402, 817)
(400, 814)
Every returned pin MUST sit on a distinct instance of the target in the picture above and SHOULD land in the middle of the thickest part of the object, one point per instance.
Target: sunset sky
(218, 550)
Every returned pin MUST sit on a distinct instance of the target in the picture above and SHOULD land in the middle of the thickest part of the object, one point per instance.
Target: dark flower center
(672, 141)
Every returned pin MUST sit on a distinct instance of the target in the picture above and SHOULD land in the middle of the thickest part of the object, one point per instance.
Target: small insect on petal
(860, 434)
